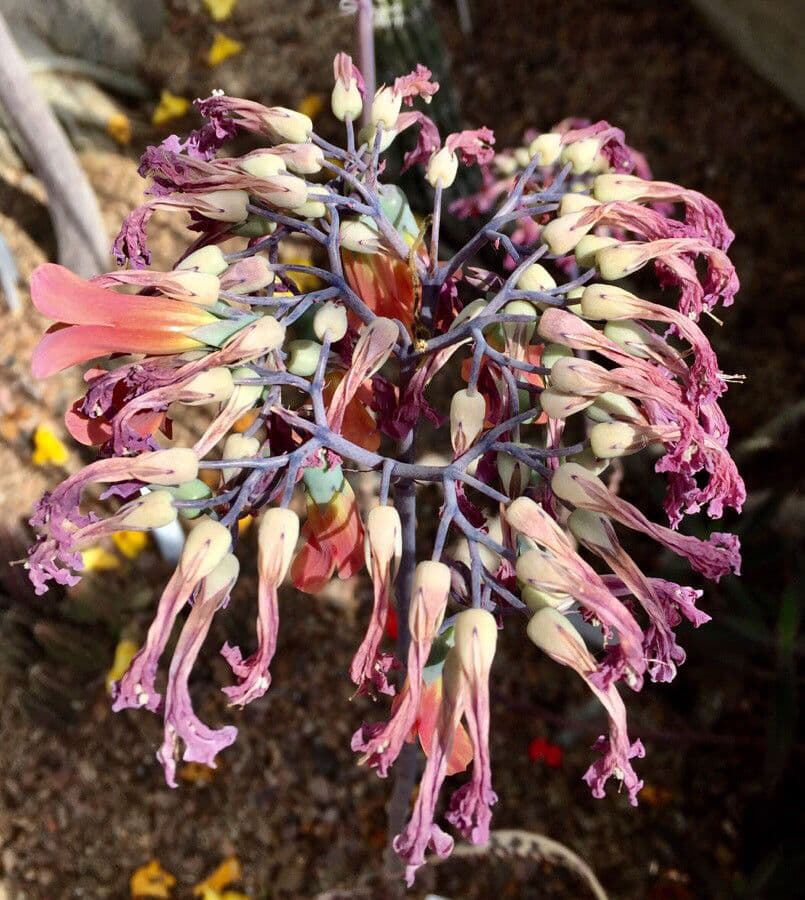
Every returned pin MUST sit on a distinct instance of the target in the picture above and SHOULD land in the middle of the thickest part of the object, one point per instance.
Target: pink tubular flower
(474, 147)
(562, 571)
(202, 743)
(466, 675)
(206, 546)
(99, 321)
(383, 547)
(714, 558)
(279, 531)
(611, 143)
(380, 745)
(416, 84)
(553, 633)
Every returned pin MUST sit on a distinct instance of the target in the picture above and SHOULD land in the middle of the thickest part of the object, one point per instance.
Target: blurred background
(713, 92)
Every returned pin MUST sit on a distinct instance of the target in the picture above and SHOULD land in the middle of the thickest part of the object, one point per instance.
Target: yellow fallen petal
(170, 106)
(130, 543)
(196, 773)
(97, 559)
(222, 48)
(222, 877)
(124, 653)
(118, 127)
(245, 524)
(220, 10)
(152, 881)
(312, 105)
(48, 449)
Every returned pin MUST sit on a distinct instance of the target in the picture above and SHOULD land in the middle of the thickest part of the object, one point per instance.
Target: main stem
(405, 768)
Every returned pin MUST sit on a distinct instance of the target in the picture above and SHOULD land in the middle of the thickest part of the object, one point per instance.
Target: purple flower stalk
(317, 361)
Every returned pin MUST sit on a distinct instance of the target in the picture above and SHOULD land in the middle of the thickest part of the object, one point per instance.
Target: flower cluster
(312, 360)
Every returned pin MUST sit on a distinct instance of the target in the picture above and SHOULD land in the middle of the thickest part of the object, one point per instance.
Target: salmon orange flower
(94, 321)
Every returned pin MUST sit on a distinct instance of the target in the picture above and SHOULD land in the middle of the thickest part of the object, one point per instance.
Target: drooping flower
(96, 322)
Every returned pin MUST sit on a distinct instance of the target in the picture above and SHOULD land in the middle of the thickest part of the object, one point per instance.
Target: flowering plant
(313, 366)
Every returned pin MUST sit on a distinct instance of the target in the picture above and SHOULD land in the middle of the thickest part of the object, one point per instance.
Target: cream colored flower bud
(581, 155)
(476, 637)
(302, 159)
(554, 634)
(574, 295)
(471, 311)
(520, 332)
(249, 275)
(262, 336)
(588, 246)
(608, 188)
(368, 135)
(312, 209)
(571, 376)
(359, 237)
(262, 164)
(289, 125)
(284, 191)
(209, 259)
(218, 584)
(429, 594)
(609, 406)
(383, 538)
(536, 278)
(560, 405)
(505, 164)
(522, 157)
(386, 107)
(467, 415)
(563, 234)
(612, 439)
(213, 386)
(330, 319)
(238, 446)
(513, 473)
(346, 101)
(552, 352)
(536, 599)
(607, 301)
(225, 206)
(632, 336)
(303, 357)
(152, 510)
(205, 546)
(591, 528)
(574, 202)
(165, 467)
(276, 540)
(546, 147)
(245, 395)
(567, 480)
(198, 287)
(614, 263)
(442, 168)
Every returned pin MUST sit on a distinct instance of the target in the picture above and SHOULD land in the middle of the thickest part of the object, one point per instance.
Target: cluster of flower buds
(307, 321)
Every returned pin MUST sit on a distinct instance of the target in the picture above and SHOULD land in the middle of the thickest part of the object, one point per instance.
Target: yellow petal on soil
(245, 421)
(97, 559)
(220, 10)
(245, 524)
(124, 654)
(48, 449)
(222, 877)
(130, 543)
(222, 48)
(118, 127)
(170, 106)
(311, 105)
(196, 773)
(152, 882)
